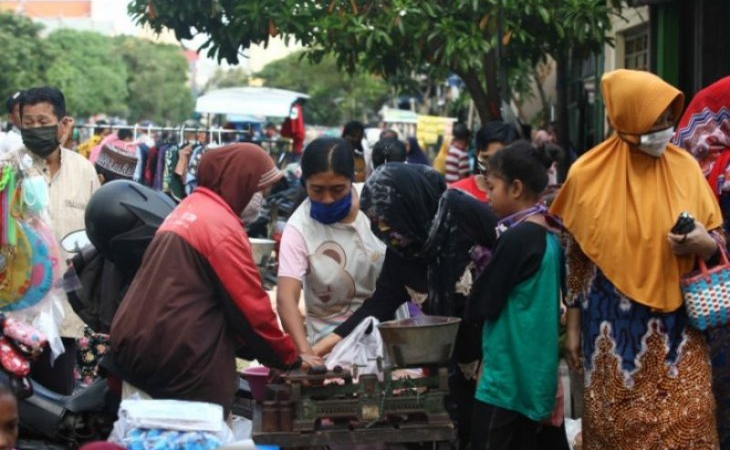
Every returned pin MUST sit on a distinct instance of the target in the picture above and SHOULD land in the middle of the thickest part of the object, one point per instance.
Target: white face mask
(654, 143)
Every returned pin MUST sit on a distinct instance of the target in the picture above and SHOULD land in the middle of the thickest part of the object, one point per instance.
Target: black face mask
(42, 141)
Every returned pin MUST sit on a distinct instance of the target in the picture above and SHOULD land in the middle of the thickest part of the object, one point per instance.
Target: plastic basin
(257, 378)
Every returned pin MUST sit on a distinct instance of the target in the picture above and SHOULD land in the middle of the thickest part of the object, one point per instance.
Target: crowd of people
(495, 239)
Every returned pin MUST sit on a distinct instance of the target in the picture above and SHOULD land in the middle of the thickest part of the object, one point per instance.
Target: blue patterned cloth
(155, 439)
(629, 320)
(647, 374)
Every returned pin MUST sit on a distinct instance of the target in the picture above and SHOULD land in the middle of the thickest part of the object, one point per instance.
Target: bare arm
(573, 339)
(288, 294)
(326, 344)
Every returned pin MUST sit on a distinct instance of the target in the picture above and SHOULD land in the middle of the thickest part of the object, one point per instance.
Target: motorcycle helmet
(121, 219)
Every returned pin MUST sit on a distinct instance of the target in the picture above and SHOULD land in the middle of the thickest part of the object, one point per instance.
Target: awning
(391, 115)
(252, 101)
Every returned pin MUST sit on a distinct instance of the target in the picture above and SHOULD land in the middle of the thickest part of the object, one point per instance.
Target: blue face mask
(333, 212)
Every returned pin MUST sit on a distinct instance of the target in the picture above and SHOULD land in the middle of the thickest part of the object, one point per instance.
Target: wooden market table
(440, 435)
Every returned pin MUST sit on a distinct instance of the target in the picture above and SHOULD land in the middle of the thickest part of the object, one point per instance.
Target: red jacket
(195, 304)
(294, 127)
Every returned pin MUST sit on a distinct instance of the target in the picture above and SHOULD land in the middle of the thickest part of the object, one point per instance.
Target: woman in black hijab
(429, 233)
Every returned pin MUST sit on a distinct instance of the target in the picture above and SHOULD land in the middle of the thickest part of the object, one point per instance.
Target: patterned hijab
(411, 211)
(704, 132)
(401, 201)
(619, 203)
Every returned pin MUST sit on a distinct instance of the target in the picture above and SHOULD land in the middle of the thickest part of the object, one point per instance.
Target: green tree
(157, 79)
(88, 71)
(227, 78)
(24, 57)
(396, 38)
(335, 96)
(123, 76)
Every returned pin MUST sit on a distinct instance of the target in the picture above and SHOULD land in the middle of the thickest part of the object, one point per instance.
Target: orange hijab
(620, 203)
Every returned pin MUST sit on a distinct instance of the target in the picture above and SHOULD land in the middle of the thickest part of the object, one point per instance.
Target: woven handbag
(706, 295)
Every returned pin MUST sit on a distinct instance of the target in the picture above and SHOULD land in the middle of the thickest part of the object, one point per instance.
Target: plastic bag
(573, 431)
(44, 314)
(24, 192)
(361, 348)
(241, 427)
(173, 415)
(188, 419)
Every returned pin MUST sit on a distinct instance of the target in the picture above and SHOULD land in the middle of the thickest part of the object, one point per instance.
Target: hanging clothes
(191, 178)
(151, 165)
(139, 174)
(160, 166)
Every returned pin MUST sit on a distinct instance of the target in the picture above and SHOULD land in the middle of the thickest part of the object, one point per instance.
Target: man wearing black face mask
(69, 177)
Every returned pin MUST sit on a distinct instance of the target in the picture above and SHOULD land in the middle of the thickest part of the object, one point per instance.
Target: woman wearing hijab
(704, 132)
(197, 301)
(647, 374)
(414, 153)
(428, 235)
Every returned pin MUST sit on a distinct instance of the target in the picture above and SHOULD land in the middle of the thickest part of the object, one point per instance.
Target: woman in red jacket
(197, 301)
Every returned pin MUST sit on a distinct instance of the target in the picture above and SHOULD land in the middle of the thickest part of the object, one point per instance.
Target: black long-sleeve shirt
(476, 223)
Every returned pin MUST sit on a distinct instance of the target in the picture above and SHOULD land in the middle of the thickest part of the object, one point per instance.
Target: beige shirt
(69, 191)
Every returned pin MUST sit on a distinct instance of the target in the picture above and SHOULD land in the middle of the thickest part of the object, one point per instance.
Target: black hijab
(412, 212)
(405, 199)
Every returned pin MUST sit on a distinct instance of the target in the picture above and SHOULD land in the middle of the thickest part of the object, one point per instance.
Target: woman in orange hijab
(647, 374)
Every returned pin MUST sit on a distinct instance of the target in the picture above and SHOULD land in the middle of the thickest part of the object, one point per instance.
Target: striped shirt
(457, 164)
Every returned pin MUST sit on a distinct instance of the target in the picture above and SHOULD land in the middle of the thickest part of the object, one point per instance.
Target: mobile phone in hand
(684, 225)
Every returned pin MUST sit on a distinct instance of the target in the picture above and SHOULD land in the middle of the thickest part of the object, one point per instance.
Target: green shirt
(519, 346)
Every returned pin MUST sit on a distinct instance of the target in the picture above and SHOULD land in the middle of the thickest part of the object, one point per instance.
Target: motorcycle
(67, 420)
(96, 281)
(49, 419)
(123, 217)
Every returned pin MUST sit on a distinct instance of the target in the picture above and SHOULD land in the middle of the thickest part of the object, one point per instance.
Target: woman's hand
(310, 361)
(326, 344)
(573, 340)
(698, 242)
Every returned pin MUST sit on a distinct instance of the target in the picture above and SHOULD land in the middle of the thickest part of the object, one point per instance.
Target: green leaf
(544, 14)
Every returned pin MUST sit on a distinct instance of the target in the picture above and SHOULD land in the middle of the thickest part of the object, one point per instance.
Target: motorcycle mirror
(75, 241)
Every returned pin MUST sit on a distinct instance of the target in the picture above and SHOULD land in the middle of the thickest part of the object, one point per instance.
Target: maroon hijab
(236, 172)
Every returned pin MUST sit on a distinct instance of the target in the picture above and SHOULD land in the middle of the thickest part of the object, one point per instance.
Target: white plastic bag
(573, 429)
(359, 349)
(241, 427)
